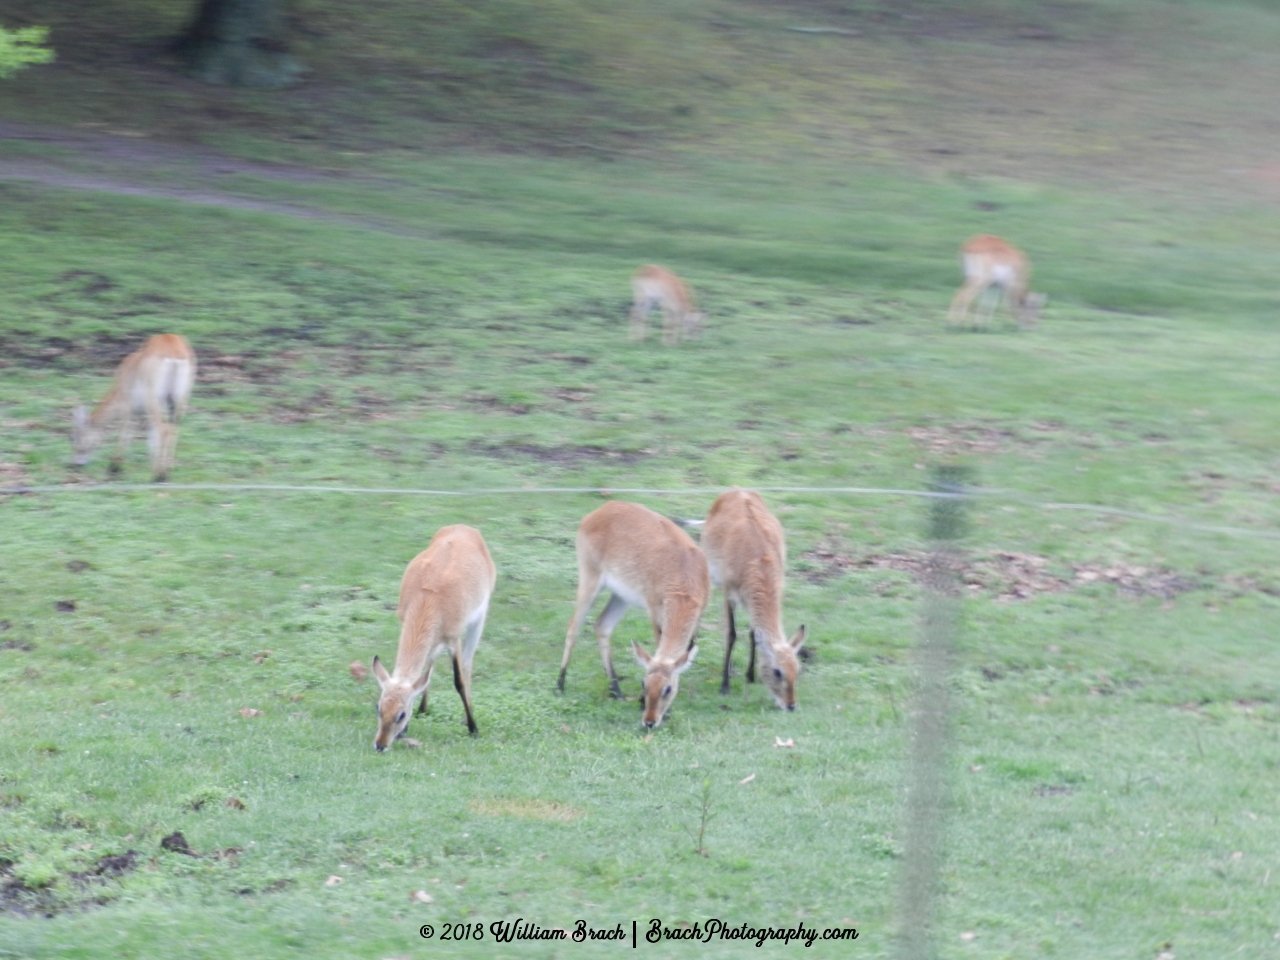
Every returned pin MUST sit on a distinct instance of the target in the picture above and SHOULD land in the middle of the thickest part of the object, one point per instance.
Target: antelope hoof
(560, 683)
(615, 691)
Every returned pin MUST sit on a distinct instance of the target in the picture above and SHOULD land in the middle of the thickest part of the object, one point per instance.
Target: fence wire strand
(1013, 496)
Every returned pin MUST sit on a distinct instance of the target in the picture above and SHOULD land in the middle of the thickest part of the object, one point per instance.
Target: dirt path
(110, 155)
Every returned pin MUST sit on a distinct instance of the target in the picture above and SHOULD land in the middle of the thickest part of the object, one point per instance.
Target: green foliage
(21, 48)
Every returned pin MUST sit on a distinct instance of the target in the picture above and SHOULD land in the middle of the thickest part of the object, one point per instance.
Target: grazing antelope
(644, 560)
(154, 381)
(990, 262)
(747, 555)
(444, 598)
(657, 287)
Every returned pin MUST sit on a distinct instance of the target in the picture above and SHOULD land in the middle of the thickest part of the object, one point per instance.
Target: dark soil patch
(973, 438)
(567, 455)
(65, 606)
(1006, 575)
(177, 843)
(496, 403)
(78, 566)
(101, 351)
(17, 645)
(112, 865)
(1048, 790)
(16, 897)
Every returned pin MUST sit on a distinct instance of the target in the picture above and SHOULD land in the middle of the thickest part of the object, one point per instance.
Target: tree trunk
(240, 43)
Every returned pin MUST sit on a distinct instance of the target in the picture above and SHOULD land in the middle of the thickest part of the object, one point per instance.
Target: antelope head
(395, 704)
(661, 682)
(781, 665)
(85, 437)
(1029, 309)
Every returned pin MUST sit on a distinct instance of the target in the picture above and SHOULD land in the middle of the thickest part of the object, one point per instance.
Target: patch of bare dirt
(566, 455)
(1005, 575)
(13, 475)
(16, 897)
(984, 439)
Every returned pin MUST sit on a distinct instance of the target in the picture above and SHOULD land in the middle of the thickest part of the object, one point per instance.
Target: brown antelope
(154, 381)
(644, 560)
(658, 287)
(991, 262)
(747, 556)
(444, 597)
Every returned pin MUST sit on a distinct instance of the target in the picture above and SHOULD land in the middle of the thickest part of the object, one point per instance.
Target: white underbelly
(628, 593)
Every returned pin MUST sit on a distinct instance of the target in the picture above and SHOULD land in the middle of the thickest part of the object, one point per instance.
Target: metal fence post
(926, 769)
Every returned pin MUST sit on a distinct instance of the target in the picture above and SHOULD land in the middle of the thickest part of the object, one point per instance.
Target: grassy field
(438, 313)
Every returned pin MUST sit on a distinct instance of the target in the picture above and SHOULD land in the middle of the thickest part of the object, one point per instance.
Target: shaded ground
(1088, 91)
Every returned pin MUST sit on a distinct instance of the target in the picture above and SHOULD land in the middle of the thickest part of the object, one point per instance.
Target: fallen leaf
(410, 742)
(358, 670)
(259, 657)
(1238, 855)
(968, 935)
(248, 712)
(779, 742)
(975, 768)
(437, 879)
(333, 881)
(565, 728)
(746, 779)
(648, 737)
(235, 804)
(421, 896)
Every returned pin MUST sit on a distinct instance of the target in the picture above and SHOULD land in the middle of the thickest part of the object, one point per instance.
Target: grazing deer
(444, 598)
(990, 262)
(657, 287)
(644, 560)
(747, 555)
(155, 381)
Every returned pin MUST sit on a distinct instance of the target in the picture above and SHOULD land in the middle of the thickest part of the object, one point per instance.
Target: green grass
(1115, 749)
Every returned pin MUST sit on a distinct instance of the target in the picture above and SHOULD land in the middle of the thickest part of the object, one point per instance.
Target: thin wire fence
(1013, 496)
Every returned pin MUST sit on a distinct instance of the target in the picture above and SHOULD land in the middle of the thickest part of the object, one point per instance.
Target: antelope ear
(422, 682)
(798, 640)
(380, 672)
(643, 657)
(686, 661)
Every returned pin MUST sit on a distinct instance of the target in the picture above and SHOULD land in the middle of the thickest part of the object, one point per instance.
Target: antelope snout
(650, 724)
(791, 706)
(378, 746)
